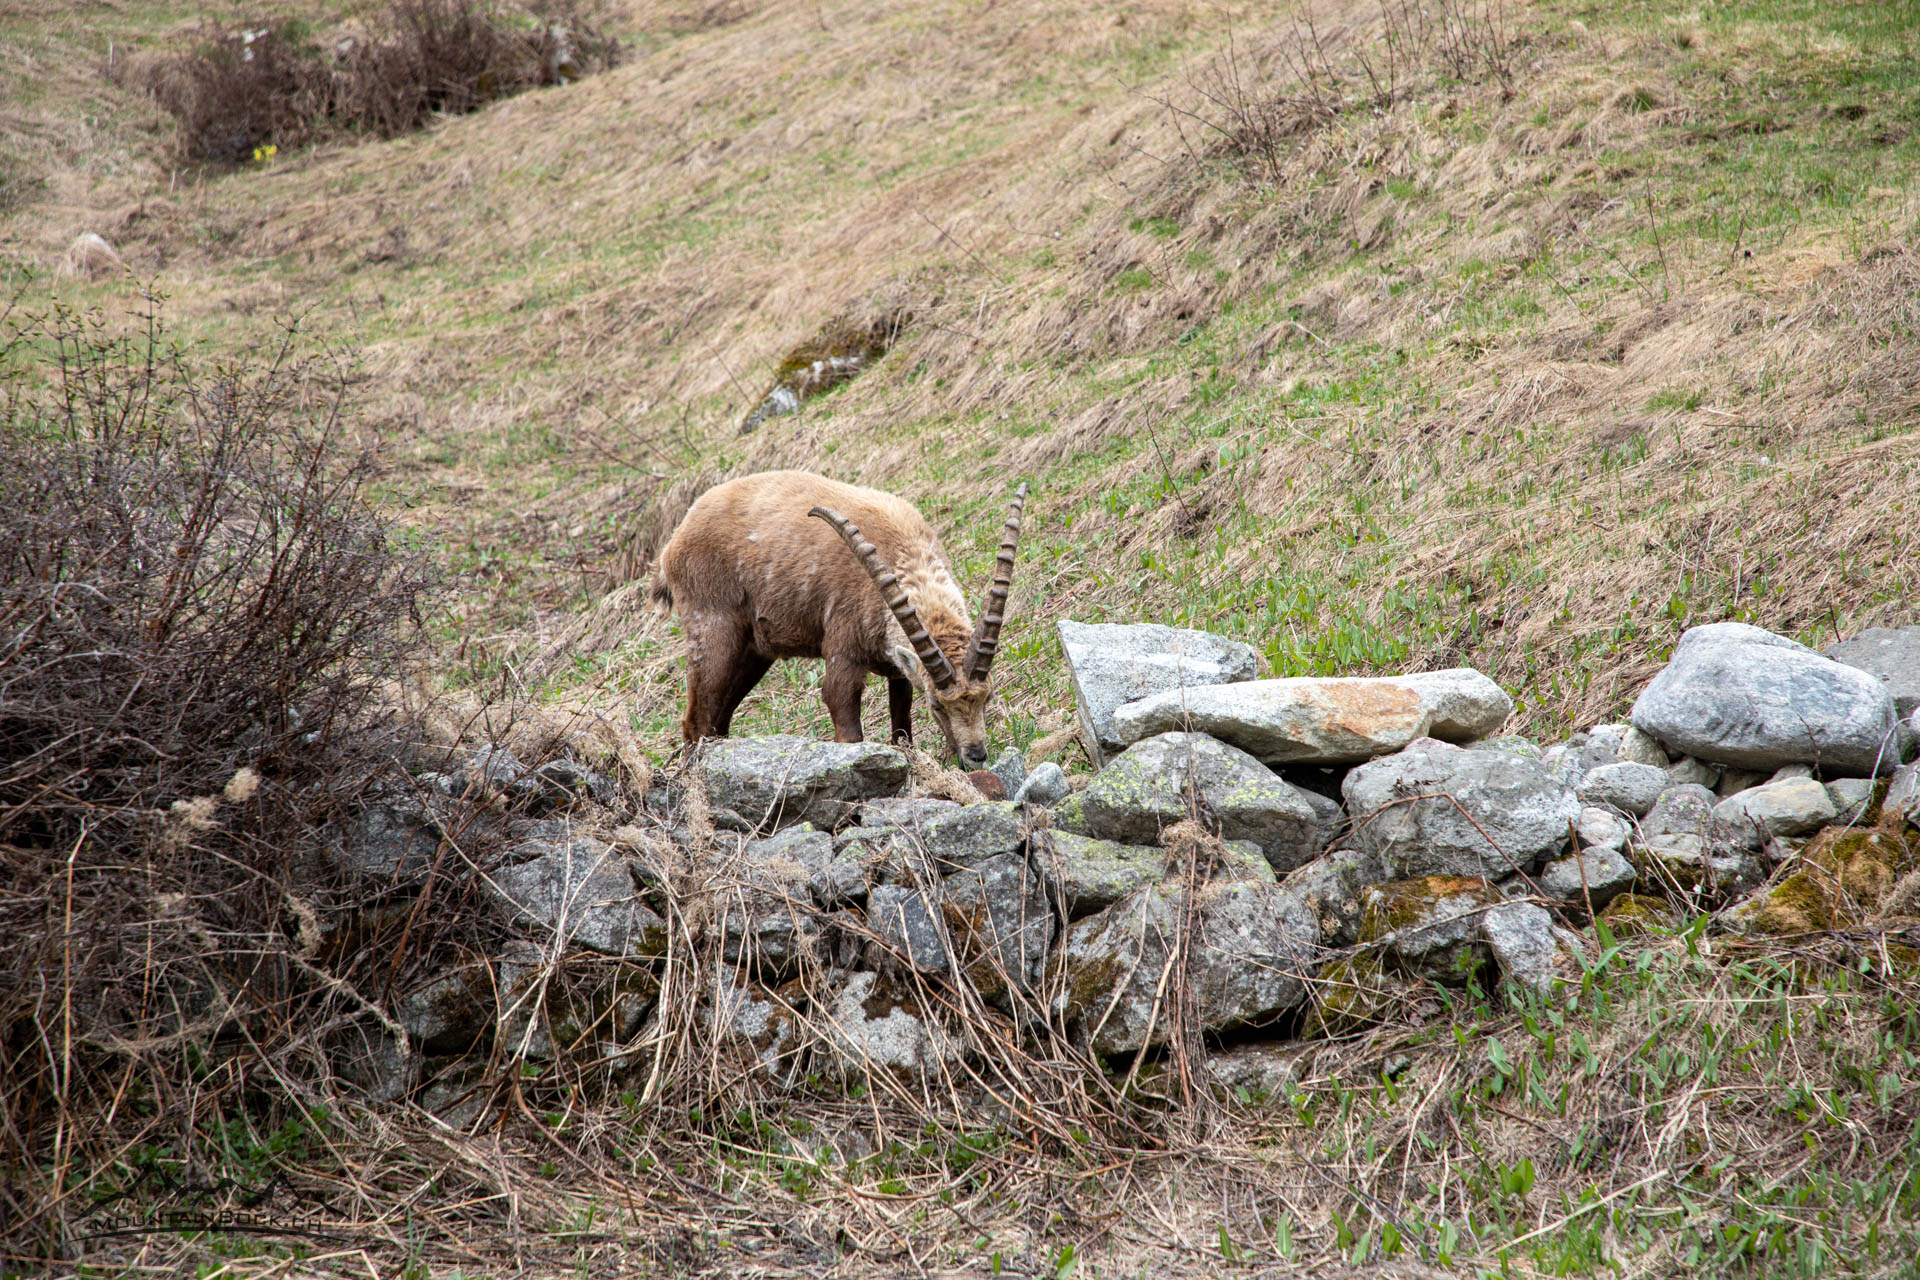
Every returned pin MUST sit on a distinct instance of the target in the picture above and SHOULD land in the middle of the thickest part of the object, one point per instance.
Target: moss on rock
(1841, 880)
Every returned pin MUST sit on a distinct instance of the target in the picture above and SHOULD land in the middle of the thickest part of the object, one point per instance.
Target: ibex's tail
(660, 593)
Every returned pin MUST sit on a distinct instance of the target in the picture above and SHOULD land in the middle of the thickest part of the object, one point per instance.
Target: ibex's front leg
(900, 710)
(840, 689)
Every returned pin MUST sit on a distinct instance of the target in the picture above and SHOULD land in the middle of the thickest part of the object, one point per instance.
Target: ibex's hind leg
(840, 689)
(747, 670)
(900, 709)
(715, 649)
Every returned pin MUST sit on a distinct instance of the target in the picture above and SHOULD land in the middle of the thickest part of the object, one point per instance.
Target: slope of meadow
(1515, 336)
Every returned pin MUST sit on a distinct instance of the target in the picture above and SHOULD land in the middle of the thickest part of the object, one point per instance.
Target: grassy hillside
(1578, 325)
(1512, 335)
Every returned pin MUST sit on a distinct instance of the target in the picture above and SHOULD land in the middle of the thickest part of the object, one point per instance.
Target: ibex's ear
(905, 661)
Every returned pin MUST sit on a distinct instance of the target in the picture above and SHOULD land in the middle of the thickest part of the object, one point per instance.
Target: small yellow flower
(263, 154)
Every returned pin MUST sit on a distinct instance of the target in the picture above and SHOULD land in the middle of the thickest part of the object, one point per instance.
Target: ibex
(787, 564)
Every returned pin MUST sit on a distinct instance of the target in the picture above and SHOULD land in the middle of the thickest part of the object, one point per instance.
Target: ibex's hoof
(988, 784)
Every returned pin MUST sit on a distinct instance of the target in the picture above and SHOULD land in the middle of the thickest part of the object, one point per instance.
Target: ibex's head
(952, 670)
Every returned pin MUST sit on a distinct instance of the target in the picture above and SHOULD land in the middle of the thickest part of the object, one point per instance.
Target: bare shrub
(196, 602)
(255, 85)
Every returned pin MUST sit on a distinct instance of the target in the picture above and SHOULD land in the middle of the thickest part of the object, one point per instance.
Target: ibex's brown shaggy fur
(787, 564)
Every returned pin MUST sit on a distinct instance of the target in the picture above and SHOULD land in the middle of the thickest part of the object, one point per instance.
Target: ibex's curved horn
(938, 668)
(986, 636)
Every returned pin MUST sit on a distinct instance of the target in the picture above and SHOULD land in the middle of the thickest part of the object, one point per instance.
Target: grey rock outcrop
(1851, 797)
(1625, 785)
(1314, 720)
(583, 891)
(1001, 924)
(1484, 813)
(1114, 664)
(1889, 654)
(902, 917)
(387, 841)
(1145, 790)
(1789, 807)
(1738, 695)
(1596, 875)
(1047, 785)
(1086, 875)
(1602, 829)
(1526, 946)
(1248, 964)
(762, 784)
(968, 836)
(877, 1023)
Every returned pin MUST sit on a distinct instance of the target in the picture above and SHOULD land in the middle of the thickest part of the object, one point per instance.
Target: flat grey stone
(583, 891)
(1247, 965)
(1641, 748)
(1011, 768)
(1255, 1073)
(1116, 663)
(1046, 786)
(1786, 771)
(1512, 744)
(970, 835)
(907, 813)
(1602, 829)
(1889, 654)
(1607, 874)
(1086, 875)
(877, 1023)
(1790, 807)
(899, 916)
(1325, 720)
(1331, 887)
(1627, 786)
(1903, 794)
(1741, 696)
(998, 915)
(773, 782)
(1145, 790)
(1700, 773)
(387, 841)
(1851, 798)
(1243, 860)
(1483, 812)
(1683, 809)
(1521, 937)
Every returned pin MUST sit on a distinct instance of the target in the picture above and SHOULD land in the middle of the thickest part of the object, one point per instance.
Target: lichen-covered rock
(998, 917)
(905, 813)
(1070, 814)
(1046, 785)
(1685, 809)
(1511, 743)
(878, 1023)
(1527, 947)
(1841, 880)
(903, 918)
(1114, 664)
(1146, 789)
(757, 1027)
(1626, 786)
(1241, 860)
(1248, 964)
(1742, 696)
(1430, 925)
(763, 784)
(1597, 875)
(1789, 807)
(584, 891)
(1633, 913)
(1889, 654)
(1325, 720)
(1484, 813)
(1357, 993)
(1331, 887)
(971, 835)
(766, 902)
(1086, 875)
